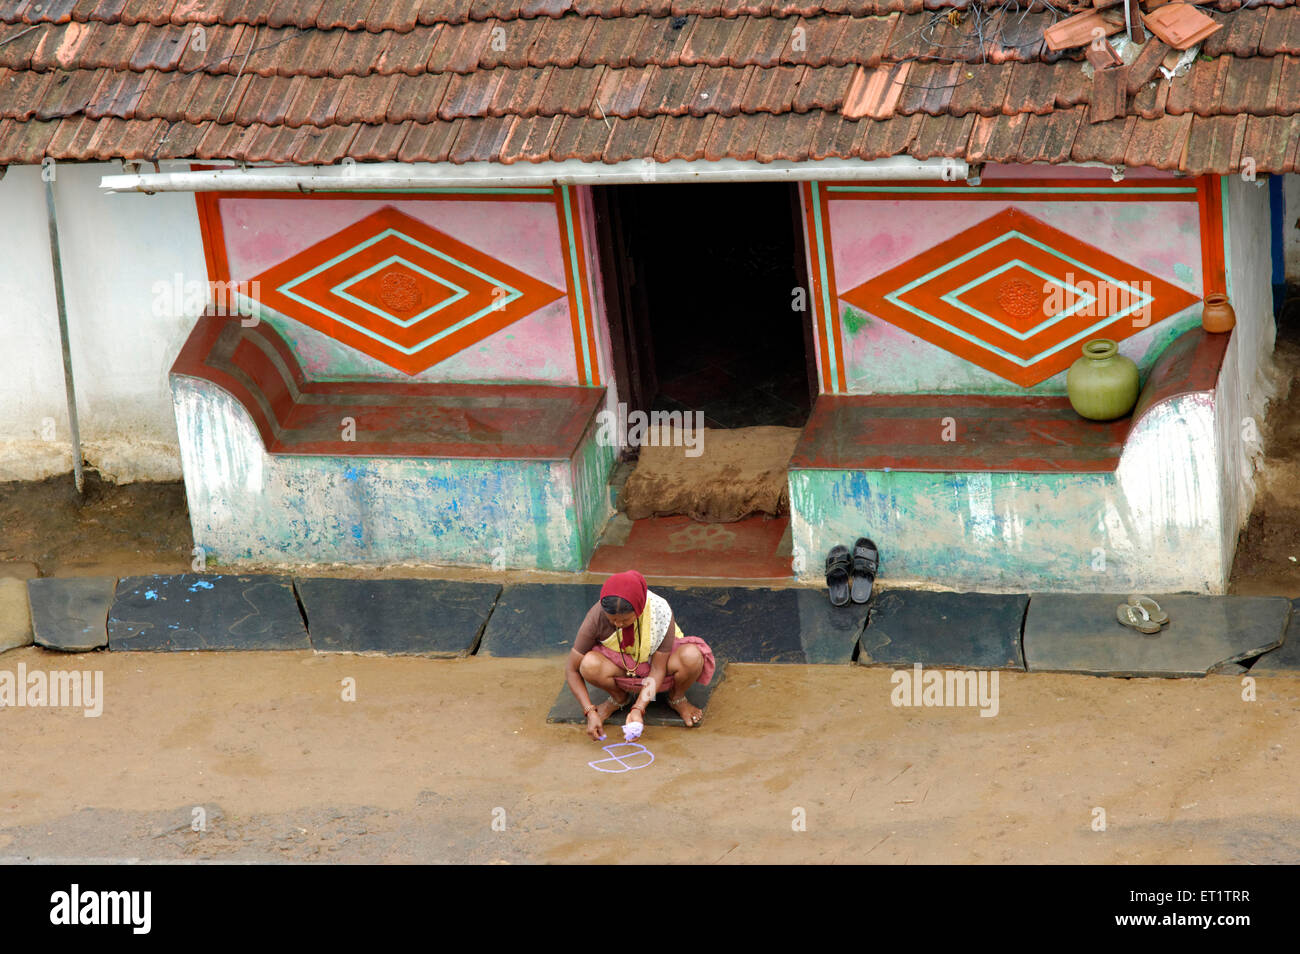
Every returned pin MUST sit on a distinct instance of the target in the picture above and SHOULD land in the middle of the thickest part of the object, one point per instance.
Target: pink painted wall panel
(261, 232)
(872, 236)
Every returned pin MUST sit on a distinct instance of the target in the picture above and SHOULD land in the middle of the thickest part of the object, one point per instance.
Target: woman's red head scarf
(631, 586)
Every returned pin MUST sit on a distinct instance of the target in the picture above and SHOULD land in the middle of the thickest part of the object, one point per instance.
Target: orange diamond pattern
(401, 291)
(1018, 297)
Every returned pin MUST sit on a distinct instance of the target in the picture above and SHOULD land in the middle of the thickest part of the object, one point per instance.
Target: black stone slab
(952, 630)
(399, 617)
(768, 626)
(739, 624)
(1079, 633)
(70, 614)
(566, 708)
(190, 611)
(537, 619)
(1285, 659)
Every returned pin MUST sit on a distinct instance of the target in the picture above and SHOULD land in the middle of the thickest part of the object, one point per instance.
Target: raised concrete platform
(282, 469)
(1004, 494)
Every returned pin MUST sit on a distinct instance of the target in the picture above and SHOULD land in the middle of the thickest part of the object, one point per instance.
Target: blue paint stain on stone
(199, 585)
(151, 594)
(357, 532)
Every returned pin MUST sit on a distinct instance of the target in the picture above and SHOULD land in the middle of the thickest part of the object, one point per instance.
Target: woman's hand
(595, 726)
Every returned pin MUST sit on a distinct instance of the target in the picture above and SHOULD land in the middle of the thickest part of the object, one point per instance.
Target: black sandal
(838, 565)
(866, 560)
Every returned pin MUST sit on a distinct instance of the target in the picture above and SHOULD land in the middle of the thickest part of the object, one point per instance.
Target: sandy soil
(414, 768)
(733, 474)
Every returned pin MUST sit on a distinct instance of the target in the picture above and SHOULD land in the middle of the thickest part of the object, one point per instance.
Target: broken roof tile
(1181, 25)
(49, 95)
(1201, 88)
(1149, 101)
(1146, 65)
(1109, 94)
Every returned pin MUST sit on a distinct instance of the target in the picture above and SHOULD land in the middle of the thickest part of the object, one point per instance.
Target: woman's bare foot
(609, 707)
(689, 713)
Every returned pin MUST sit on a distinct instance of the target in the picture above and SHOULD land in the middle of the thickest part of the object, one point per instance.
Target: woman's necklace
(636, 646)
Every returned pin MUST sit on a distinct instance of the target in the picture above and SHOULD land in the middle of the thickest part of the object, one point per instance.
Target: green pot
(1103, 384)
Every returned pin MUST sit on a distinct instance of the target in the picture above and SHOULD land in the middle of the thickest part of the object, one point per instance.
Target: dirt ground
(416, 768)
(433, 751)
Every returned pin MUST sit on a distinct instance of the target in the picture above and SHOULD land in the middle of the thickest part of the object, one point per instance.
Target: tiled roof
(315, 81)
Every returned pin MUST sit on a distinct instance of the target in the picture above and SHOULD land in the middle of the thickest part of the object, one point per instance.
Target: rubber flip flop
(866, 560)
(1136, 617)
(1152, 608)
(838, 565)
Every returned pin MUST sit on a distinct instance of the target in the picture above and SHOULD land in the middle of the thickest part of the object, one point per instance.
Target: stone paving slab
(397, 617)
(1285, 659)
(796, 625)
(1079, 633)
(191, 611)
(739, 624)
(567, 710)
(70, 613)
(537, 619)
(15, 615)
(944, 630)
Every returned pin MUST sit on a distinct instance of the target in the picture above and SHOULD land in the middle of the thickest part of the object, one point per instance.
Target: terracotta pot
(1103, 384)
(1218, 316)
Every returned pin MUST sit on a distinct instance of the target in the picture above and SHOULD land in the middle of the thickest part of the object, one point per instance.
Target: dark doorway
(700, 284)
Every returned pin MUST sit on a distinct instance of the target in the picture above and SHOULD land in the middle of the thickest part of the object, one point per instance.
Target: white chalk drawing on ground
(626, 761)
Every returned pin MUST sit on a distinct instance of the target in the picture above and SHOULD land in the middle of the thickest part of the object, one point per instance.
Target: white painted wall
(1245, 381)
(115, 248)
